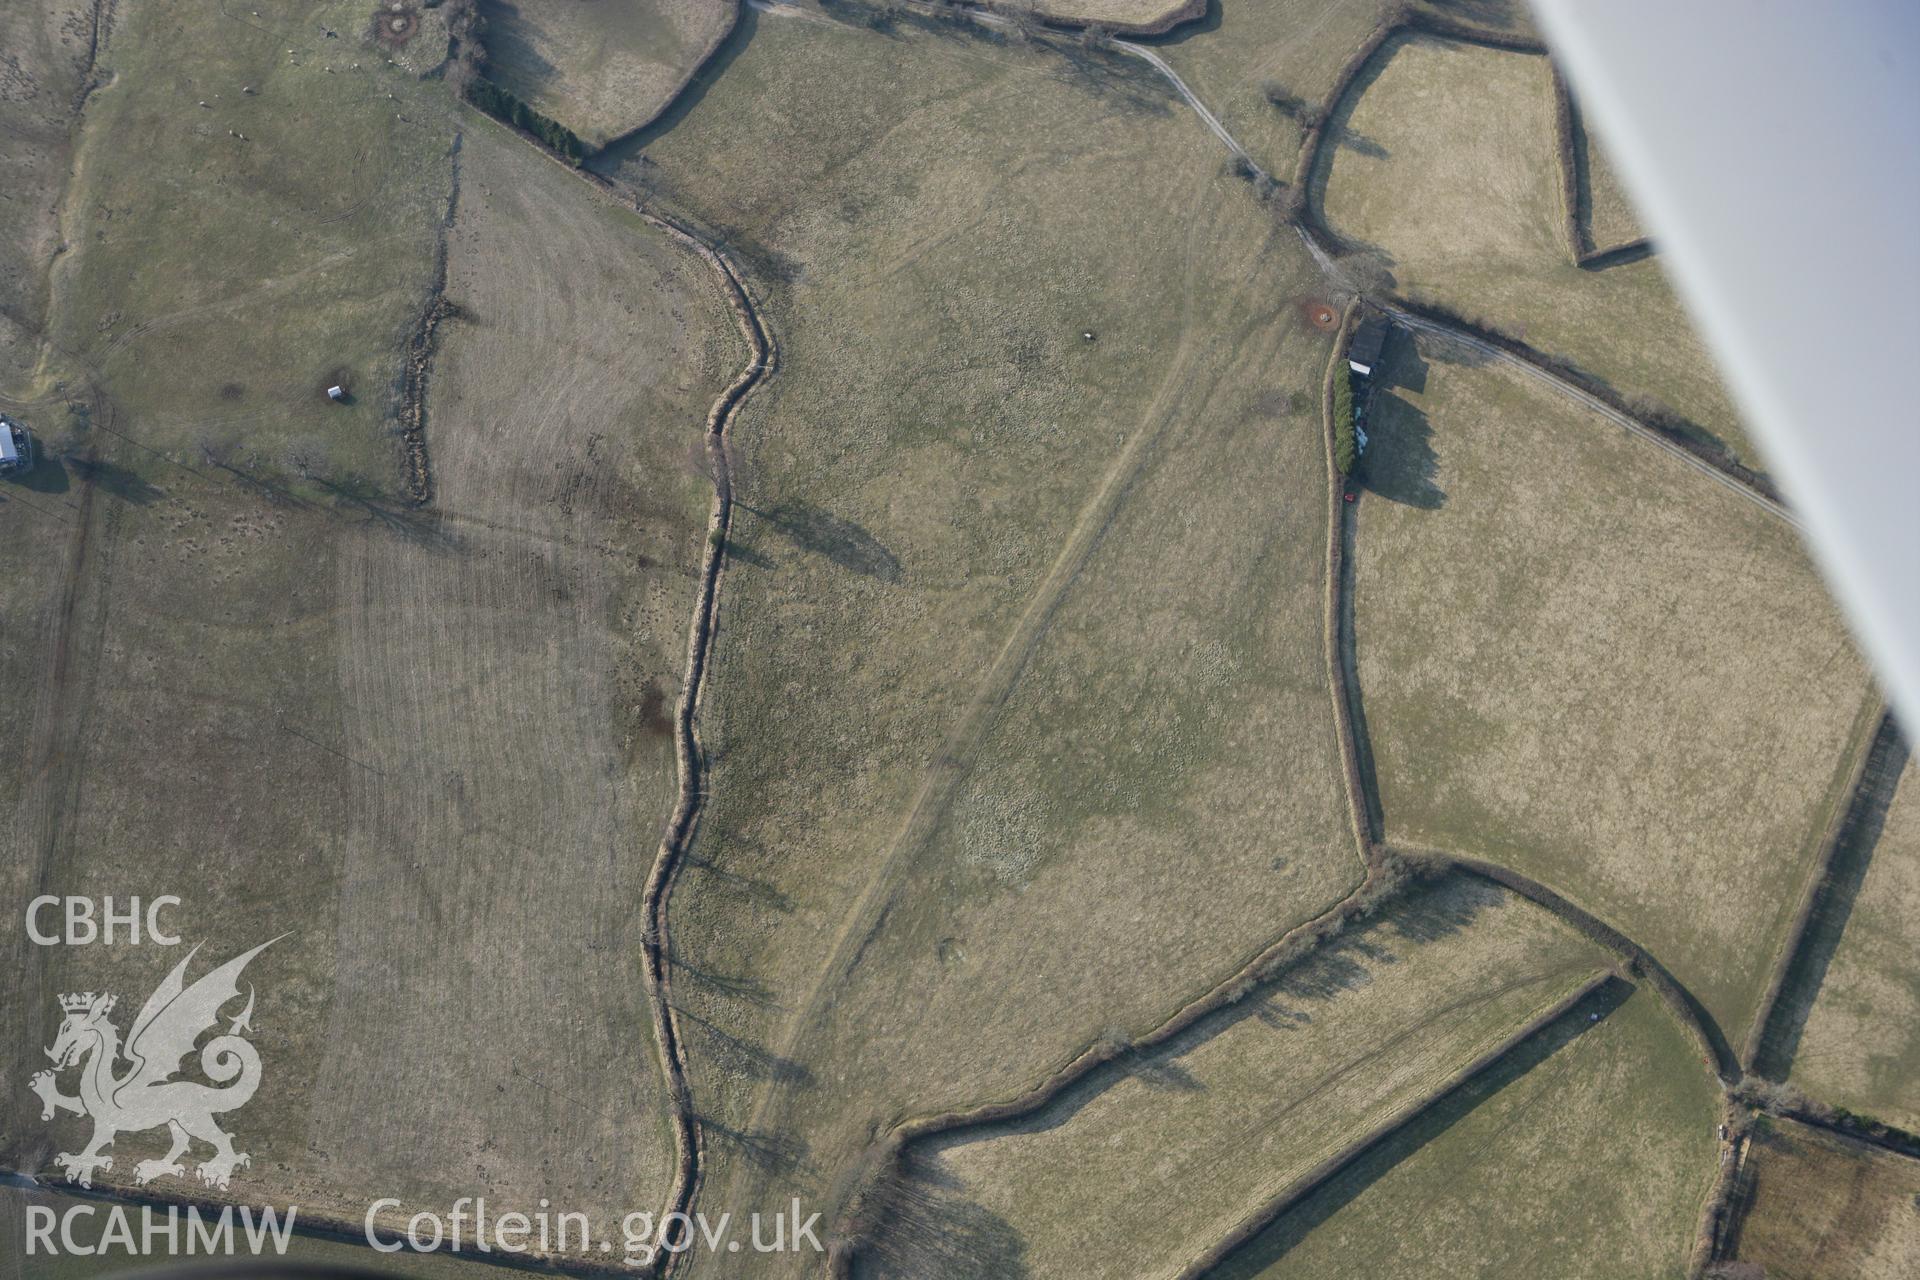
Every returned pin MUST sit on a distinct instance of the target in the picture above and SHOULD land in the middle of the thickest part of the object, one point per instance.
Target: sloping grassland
(601, 67)
(1015, 619)
(429, 744)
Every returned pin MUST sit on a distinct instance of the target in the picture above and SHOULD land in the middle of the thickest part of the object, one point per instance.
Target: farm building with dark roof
(1363, 353)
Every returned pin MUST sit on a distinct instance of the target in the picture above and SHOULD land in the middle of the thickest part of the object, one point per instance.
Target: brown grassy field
(1827, 1208)
(1019, 654)
(1221, 1119)
(213, 313)
(1861, 1040)
(1265, 67)
(176, 614)
(1019, 683)
(1582, 659)
(430, 743)
(1584, 1156)
(601, 67)
(321, 1255)
(49, 48)
(506, 686)
(1449, 183)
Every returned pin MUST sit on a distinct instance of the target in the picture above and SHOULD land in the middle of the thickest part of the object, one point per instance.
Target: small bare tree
(308, 457)
(1022, 22)
(466, 49)
(212, 450)
(1096, 37)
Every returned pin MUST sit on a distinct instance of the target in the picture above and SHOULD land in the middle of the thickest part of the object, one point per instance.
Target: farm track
(56, 731)
(949, 767)
(91, 360)
(1290, 947)
(1680, 1003)
(761, 362)
(1466, 336)
(1192, 99)
(97, 359)
(1317, 237)
(1684, 1006)
(1287, 950)
(989, 18)
(1635, 959)
(1716, 1053)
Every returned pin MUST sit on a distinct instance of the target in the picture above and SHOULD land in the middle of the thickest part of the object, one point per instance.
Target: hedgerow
(505, 107)
(1344, 450)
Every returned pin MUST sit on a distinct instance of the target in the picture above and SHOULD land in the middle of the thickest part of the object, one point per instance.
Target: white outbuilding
(16, 447)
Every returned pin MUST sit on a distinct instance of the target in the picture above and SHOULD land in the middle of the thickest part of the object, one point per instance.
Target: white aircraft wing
(1773, 152)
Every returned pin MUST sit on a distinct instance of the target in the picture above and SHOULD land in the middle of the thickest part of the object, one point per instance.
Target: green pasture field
(1018, 734)
(1215, 1124)
(1262, 49)
(1582, 1157)
(220, 283)
(1861, 1038)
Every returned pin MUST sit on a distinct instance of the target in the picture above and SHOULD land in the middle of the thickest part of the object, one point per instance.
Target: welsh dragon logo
(145, 1095)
